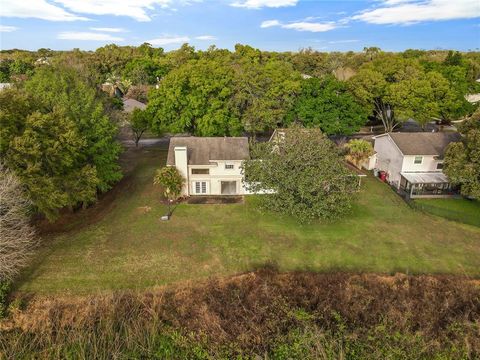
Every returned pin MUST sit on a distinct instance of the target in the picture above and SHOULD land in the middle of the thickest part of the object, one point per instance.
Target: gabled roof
(201, 150)
(423, 143)
(130, 104)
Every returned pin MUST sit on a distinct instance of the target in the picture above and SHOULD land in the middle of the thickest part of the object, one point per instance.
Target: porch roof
(425, 177)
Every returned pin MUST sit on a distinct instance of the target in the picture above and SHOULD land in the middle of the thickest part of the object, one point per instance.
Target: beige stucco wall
(389, 158)
(428, 164)
(217, 174)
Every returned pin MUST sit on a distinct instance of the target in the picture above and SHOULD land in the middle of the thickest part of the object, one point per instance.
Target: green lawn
(129, 247)
(463, 210)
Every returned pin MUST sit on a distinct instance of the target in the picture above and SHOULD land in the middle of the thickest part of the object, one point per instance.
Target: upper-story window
(200, 171)
(418, 160)
(229, 166)
(439, 165)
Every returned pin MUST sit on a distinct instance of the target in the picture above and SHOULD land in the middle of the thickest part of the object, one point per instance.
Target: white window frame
(204, 171)
(440, 164)
(229, 166)
(415, 160)
(202, 185)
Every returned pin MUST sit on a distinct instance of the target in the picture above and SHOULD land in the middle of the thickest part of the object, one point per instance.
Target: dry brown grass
(249, 313)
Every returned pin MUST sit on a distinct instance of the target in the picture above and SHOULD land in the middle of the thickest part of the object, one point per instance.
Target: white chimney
(181, 163)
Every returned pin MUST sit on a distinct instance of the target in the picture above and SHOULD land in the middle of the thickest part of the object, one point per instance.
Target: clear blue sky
(266, 24)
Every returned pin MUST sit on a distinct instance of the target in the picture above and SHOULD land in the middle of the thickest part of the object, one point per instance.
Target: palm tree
(172, 182)
(119, 86)
(359, 151)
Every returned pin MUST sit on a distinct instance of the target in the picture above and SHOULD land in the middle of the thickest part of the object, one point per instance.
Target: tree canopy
(195, 98)
(462, 159)
(302, 175)
(58, 140)
(139, 121)
(326, 104)
(222, 92)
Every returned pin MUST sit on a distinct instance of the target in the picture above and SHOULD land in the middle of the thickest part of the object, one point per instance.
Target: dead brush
(327, 315)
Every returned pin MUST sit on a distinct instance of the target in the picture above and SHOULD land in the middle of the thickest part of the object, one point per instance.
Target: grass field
(463, 210)
(125, 245)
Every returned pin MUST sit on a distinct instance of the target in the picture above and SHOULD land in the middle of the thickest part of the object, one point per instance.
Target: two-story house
(209, 165)
(413, 162)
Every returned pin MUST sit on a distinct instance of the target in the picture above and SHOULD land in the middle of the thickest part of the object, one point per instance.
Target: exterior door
(228, 187)
(200, 187)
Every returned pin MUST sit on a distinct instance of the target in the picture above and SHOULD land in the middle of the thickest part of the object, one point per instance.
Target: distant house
(413, 162)
(44, 60)
(210, 165)
(131, 104)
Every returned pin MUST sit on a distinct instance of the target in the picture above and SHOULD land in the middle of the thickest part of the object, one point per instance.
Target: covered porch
(427, 185)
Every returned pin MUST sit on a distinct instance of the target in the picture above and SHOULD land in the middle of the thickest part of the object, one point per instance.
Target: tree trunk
(386, 114)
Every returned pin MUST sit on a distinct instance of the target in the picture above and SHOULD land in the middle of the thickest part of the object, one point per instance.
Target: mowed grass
(129, 247)
(463, 210)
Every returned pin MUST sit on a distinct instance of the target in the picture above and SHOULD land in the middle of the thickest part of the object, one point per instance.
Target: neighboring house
(42, 61)
(131, 104)
(414, 161)
(210, 165)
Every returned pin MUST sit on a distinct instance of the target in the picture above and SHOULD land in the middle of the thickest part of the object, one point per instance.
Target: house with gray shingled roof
(210, 165)
(413, 162)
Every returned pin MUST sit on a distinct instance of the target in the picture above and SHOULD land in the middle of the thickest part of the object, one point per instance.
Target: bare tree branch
(17, 236)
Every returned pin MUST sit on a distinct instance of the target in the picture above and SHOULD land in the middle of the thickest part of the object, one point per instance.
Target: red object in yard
(383, 176)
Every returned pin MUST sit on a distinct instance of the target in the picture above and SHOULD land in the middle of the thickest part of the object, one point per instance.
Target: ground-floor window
(200, 187)
(228, 187)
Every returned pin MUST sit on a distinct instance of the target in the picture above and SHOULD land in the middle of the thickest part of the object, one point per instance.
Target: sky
(275, 25)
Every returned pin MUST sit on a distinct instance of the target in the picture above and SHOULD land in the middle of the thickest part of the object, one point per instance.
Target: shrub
(4, 291)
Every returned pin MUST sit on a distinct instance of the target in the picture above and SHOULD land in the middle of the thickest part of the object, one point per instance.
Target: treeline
(222, 92)
(58, 129)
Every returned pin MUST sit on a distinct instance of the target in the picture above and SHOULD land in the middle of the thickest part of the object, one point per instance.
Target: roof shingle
(424, 143)
(200, 150)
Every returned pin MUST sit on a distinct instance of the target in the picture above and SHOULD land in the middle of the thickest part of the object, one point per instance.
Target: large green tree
(58, 140)
(47, 159)
(144, 71)
(139, 121)
(451, 82)
(195, 98)
(462, 159)
(301, 174)
(326, 104)
(376, 83)
(264, 92)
